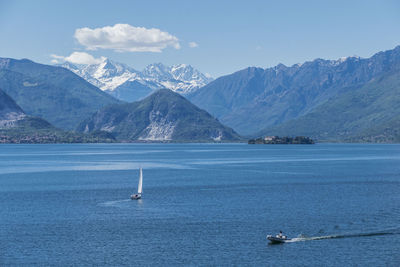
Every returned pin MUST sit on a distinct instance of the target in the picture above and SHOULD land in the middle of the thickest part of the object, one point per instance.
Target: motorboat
(278, 239)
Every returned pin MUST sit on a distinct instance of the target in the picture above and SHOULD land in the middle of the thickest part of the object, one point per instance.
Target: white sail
(140, 182)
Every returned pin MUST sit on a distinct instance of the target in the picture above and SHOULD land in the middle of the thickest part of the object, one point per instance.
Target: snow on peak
(108, 75)
(158, 71)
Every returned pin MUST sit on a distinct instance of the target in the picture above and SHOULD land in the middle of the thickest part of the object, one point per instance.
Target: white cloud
(77, 58)
(193, 44)
(126, 38)
(56, 59)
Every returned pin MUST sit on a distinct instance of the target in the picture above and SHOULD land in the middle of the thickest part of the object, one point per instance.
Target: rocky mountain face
(52, 93)
(254, 98)
(129, 85)
(162, 116)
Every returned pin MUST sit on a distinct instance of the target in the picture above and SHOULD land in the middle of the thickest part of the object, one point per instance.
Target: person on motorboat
(280, 235)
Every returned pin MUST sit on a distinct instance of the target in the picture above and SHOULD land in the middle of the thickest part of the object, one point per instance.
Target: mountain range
(257, 101)
(352, 99)
(52, 95)
(162, 116)
(128, 84)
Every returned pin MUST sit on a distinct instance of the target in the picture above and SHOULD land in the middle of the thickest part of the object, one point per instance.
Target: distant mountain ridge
(368, 113)
(52, 93)
(254, 99)
(162, 116)
(123, 81)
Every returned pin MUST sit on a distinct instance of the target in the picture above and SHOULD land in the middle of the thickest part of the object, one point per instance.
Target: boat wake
(380, 233)
(114, 203)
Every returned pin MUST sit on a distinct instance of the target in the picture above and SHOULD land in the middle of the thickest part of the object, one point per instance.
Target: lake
(203, 204)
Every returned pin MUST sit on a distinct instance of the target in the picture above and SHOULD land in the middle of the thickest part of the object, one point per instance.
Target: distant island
(282, 140)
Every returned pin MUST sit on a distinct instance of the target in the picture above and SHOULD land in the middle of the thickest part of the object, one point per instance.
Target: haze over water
(203, 204)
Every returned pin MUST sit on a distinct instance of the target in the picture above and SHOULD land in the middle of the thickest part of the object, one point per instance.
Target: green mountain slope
(53, 93)
(162, 116)
(17, 127)
(367, 113)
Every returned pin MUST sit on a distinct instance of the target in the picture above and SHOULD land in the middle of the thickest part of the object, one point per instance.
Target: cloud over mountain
(77, 58)
(126, 38)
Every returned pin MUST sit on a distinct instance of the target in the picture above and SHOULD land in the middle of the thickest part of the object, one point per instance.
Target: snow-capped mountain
(129, 84)
(107, 75)
(180, 78)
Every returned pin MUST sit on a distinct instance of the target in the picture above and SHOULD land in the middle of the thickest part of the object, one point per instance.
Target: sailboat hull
(136, 196)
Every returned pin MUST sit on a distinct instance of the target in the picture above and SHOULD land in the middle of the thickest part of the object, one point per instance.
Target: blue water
(203, 204)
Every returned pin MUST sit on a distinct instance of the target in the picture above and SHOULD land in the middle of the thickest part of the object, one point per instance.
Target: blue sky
(225, 36)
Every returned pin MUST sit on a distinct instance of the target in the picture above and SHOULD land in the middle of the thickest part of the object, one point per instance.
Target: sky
(216, 37)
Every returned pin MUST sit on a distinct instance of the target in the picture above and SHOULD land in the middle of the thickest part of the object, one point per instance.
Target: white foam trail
(300, 239)
(114, 202)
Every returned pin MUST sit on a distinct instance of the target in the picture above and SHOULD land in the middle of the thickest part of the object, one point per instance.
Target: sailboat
(139, 193)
